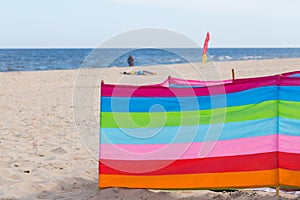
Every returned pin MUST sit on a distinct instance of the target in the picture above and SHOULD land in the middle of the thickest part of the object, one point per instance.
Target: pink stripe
(289, 144)
(244, 146)
(179, 81)
(159, 91)
(165, 83)
(289, 81)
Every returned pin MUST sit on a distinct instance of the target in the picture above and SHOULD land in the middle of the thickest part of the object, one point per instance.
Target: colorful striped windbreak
(238, 135)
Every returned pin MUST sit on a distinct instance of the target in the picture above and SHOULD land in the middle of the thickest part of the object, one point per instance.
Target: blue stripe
(295, 75)
(289, 127)
(186, 134)
(184, 86)
(174, 104)
(289, 93)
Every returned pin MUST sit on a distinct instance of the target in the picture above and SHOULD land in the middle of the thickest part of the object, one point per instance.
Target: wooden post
(277, 191)
(233, 75)
(169, 80)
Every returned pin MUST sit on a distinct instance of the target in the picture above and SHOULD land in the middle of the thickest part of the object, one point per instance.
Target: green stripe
(160, 119)
(289, 109)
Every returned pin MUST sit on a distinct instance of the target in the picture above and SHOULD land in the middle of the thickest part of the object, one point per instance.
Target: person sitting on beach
(130, 61)
(140, 72)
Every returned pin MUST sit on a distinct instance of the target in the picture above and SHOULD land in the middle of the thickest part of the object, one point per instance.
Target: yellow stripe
(289, 177)
(208, 180)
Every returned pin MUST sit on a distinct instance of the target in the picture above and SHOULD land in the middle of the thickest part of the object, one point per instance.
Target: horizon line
(220, 47)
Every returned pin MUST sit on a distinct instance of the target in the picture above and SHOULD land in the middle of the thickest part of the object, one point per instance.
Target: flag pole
(277, 191)
(232, 74)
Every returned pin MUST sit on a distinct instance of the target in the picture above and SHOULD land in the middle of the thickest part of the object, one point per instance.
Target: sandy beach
(45, 154)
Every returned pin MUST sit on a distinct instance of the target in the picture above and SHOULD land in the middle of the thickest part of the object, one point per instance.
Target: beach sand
(45, 152)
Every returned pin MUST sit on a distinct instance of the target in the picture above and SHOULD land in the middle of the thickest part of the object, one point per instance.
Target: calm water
(53, 59)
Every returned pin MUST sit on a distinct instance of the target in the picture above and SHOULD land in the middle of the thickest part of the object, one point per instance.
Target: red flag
(205, 47)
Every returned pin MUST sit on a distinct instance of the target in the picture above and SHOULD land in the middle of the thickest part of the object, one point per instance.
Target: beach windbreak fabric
(240, 134)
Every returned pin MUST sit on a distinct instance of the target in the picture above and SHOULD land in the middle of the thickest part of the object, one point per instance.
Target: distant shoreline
(58, 59)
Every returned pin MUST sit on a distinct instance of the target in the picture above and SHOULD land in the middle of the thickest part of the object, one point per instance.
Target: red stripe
(289, 161)
(264, 161)
(159, 91)
(290, 73)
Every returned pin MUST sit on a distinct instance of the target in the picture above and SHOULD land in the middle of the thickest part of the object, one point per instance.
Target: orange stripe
(205, 180)
(289, 177)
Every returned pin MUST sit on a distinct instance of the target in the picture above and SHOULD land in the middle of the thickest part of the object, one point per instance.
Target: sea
(61, 59)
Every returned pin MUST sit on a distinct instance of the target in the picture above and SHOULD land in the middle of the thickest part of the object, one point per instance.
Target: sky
(88, 23)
